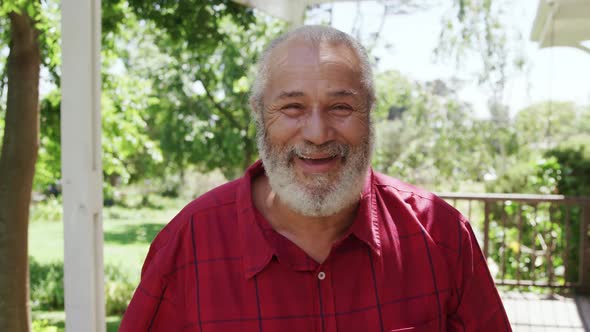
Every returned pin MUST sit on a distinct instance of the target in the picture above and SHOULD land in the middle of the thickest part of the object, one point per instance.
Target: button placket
(326, 299)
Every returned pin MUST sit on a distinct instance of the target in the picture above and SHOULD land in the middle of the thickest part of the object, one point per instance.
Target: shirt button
(321, 276)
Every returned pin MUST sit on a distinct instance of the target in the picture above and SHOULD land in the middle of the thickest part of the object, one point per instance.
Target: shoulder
(419, 200)
(443, 223)
(179, 232)
(416, 211)
(221, 197)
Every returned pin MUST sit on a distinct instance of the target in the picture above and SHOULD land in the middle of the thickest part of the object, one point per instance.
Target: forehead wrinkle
(309, 55)
(290, 94)
(295, 52)
(338, 53)
(343, 93)
(321, 64)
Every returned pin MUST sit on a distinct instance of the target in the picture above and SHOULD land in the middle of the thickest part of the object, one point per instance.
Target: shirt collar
(258, 252)
(366, 224)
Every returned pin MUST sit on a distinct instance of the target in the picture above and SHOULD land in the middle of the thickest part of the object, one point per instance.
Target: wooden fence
(532, 240)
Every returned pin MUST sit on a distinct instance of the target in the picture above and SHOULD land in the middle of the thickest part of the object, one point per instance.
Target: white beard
(317, 195)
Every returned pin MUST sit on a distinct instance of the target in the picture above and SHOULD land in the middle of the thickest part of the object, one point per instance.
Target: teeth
(309, 158)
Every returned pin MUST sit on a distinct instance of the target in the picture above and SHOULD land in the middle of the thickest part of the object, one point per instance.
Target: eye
(292, 110)
(341, 109)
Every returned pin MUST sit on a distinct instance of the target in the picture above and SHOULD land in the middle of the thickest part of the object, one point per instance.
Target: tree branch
(221, 110)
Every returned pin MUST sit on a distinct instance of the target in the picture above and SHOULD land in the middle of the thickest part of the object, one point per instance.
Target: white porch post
(292, 11)
(82, 166)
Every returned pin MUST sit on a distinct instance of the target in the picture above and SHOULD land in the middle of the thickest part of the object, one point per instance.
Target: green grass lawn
(54, 321)
(127, 235)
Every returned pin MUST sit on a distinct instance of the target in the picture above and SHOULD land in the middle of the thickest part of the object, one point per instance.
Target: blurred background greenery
(176, 122)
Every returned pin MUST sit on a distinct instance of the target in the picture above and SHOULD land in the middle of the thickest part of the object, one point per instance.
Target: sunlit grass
(55, 321)
(128, 231)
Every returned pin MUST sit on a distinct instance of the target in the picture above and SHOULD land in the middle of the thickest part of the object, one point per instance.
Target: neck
(314, 235)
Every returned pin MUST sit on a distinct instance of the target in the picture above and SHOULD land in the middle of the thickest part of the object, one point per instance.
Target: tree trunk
(17, 168)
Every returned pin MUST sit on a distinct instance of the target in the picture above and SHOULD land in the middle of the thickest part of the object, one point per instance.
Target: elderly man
(310, 238)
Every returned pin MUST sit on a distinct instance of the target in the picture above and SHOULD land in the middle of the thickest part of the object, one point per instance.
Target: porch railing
(531, 240)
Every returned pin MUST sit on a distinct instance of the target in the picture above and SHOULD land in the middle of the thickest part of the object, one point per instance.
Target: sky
(557, 73)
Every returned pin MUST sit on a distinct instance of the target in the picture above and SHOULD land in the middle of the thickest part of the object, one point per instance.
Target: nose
(317, 129)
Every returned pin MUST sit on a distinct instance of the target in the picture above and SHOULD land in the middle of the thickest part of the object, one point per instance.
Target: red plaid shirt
(410, 262)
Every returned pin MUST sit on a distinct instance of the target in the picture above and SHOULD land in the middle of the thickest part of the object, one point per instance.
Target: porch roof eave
(562, 23)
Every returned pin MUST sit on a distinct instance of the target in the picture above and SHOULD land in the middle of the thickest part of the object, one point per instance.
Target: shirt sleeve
(479, 306)
(155, 305)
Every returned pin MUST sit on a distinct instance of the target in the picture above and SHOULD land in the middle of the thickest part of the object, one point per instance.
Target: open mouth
(318, 164)
(316, 159)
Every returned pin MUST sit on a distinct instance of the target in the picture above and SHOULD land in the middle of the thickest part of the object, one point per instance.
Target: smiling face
(316, 139)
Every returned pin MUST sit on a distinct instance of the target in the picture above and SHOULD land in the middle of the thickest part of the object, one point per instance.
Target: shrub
(47, 287)
(572, 177)
(563, 170)
(44, 325)
(118, 290)
(46, 284)
(50, 209)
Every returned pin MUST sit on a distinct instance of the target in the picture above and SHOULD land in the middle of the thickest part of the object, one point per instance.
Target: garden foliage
(47, 287)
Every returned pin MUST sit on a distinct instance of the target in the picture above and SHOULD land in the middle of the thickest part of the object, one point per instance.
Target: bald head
(294, 46)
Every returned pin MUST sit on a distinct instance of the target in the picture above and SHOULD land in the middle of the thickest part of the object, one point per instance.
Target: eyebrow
(336, 93)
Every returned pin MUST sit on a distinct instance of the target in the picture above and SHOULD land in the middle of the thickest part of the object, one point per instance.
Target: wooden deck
(533, 312)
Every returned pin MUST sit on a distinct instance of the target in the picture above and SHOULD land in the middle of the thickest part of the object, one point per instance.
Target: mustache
(329, 148)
